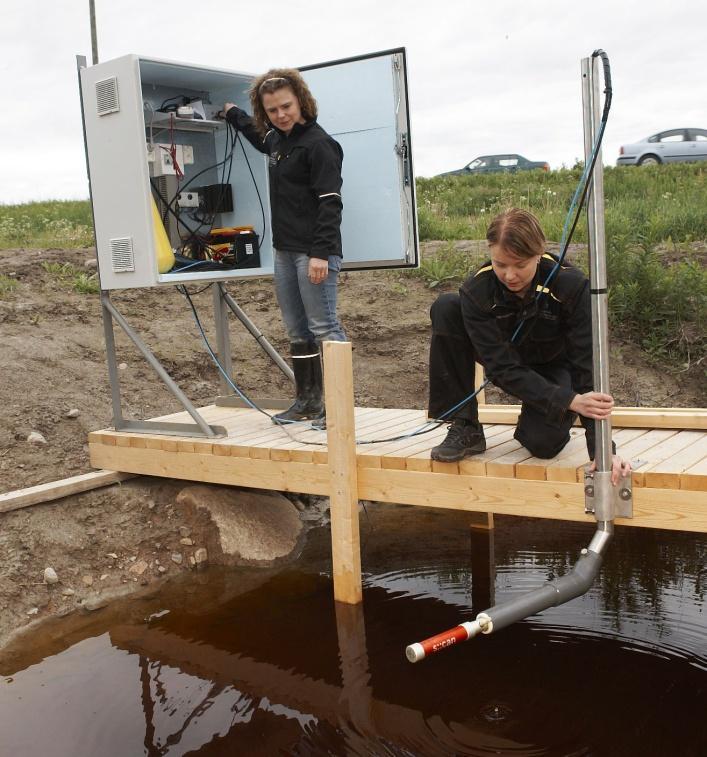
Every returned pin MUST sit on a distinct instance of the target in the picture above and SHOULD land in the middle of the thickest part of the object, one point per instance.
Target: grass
(69, 277)
(662, 201)
(7, 285)
(58, 224)
(654, 218)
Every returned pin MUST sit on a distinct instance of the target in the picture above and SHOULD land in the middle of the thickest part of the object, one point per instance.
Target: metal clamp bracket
(604, 500)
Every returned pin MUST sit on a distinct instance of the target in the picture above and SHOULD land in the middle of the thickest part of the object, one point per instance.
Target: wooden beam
(343, 487)
(478, 380)
(34, 495)
(621, 417)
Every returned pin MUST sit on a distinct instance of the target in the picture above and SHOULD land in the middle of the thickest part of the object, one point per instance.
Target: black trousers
(452, 359)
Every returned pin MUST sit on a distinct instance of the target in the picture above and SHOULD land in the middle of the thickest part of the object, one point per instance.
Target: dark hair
(517, 231)
(271, 81)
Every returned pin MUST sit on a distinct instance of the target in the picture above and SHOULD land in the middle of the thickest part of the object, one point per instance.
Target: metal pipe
(269, 350)
(223, 341)
(591, 107)
(161, 372)
(557, 592)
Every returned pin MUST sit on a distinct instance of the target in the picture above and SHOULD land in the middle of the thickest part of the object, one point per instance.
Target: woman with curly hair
(305, 206)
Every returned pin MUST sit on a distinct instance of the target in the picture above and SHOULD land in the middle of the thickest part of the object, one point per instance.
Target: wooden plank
(665, 452)
(667, 473)
(570, 468)
(34, 495)
(305, 478)
(695, 478)
(343, 482)
(478, 380)
(557, 500)
(621, 417)
(396, 455)
(496, 446)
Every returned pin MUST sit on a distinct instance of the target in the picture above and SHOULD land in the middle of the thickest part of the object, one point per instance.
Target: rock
(104, 576)
(122, 366)
(87, 580)
(186, 542)
(162, 569)
(138, 568)
(201, 556)
(184, 531)
(33, 611)
(112, 555)
(36, 438)
(50, 576)
(68, 592)
(192, 561)
(73, 413)
(177, 558)
(94, 603)
(253, 526)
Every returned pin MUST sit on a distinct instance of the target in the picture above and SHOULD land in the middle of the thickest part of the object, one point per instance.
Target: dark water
(264, 663)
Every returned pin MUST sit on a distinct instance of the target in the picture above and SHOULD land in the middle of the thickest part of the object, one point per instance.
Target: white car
(672, 146)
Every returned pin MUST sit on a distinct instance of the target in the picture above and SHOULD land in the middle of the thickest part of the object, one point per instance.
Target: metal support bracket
(604, 500)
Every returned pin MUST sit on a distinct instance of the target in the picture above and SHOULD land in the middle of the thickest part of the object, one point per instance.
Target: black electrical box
(235, 247)
(215, 198)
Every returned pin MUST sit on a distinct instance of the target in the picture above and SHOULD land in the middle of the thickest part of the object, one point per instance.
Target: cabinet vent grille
(107, 96)
(121, 253)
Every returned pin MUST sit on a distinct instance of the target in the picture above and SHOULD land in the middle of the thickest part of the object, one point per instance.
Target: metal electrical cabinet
(362, 103)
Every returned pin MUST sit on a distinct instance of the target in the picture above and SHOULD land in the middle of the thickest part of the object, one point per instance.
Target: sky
(484, 77)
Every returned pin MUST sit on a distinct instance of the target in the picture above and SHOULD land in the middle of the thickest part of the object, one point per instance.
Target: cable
(183, 290)
(255, 184)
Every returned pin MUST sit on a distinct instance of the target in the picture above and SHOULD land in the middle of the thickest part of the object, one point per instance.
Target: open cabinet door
(363, 104)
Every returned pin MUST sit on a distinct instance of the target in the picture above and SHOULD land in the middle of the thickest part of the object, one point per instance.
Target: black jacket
(305, 185)
(558, 330)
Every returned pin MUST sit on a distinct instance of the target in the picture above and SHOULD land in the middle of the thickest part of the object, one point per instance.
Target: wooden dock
(348, 462)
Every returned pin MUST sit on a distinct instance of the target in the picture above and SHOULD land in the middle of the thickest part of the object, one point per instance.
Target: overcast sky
(485, 77)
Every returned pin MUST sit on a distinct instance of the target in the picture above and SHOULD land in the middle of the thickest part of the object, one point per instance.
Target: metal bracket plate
(601, 498)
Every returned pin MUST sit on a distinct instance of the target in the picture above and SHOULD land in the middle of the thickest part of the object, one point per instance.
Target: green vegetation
(57, 224)
(69, 277)
(656, 229)
(7, 285)
(656, 232)
(660, 203)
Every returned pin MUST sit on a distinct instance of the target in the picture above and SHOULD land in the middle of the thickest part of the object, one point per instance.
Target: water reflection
(218, 666)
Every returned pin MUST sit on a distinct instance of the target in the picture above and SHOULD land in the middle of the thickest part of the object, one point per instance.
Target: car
(671, 146)
(509, 162)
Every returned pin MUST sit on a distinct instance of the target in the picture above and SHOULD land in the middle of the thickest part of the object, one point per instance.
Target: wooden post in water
(343, 490)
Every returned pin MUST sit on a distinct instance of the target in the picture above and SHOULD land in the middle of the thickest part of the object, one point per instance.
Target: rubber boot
(308, 385)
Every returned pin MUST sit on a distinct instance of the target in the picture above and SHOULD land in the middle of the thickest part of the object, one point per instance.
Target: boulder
(253, 526)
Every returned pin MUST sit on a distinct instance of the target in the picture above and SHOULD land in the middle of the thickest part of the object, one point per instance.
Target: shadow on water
(265, 663)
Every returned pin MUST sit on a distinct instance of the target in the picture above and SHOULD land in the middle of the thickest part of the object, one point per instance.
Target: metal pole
(112, 361)
(94, 37)
(259, 338)
(591, 102)
(161, 372)
(223, 341)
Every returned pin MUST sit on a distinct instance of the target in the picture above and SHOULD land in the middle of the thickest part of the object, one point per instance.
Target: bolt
(625, 494)
(589, 490)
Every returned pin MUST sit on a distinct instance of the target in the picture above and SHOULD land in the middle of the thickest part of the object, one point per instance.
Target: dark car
(671, 146)
(499, 164)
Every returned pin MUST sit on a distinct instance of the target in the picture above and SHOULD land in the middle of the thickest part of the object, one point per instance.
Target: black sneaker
(462, 440)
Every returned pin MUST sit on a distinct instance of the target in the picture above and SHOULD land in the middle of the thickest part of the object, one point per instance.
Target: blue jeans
(308, 310)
